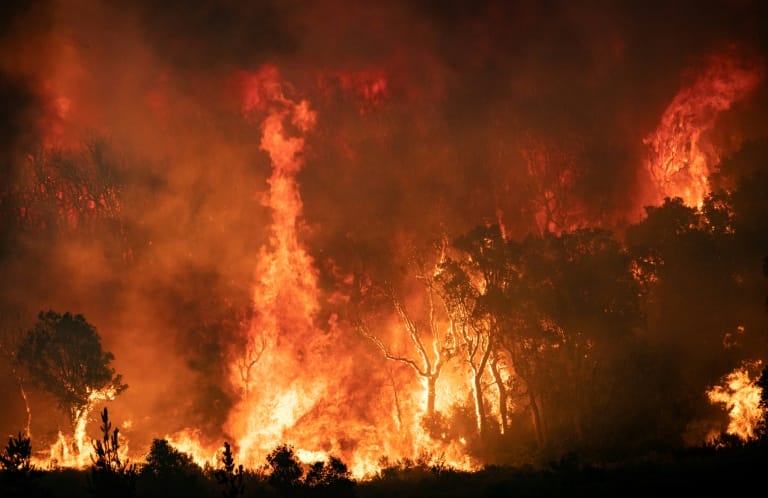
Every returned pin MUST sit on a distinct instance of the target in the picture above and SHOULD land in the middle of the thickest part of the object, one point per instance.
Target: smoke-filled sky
(431, 117)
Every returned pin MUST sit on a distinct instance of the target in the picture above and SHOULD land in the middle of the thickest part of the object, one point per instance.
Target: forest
(334, 248)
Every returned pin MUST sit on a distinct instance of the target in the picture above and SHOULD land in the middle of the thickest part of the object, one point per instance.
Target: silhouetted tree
(164, 460)
(111, 476)
(762, 427)
(64, 357)
(586, 297)
(17, 470)
(286, 470)
(331, 478)
(168, 472)
(16, 457)
(230, 477)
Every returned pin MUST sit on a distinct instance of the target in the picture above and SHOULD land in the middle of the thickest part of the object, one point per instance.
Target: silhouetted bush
(17, 469)
(16, 457)
(331, 478)
(163, 460)
(110, 476)
(230, 477)
(169, 472)
(427, 464)
(285, 468)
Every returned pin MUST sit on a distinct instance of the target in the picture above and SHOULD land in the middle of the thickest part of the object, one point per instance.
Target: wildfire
(285, 294)
(75, 451)
(280, 400)
(188, 441)
(681, 156)
(741, 396)
(256, 339)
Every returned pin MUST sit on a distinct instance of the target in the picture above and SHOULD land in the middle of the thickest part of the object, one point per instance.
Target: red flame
(681, 156)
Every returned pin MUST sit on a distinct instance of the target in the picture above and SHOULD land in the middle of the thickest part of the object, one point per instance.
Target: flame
(681, 156)
(283, 376)
(188, 441)
(285, 298)
(75, 451)
(741, 396)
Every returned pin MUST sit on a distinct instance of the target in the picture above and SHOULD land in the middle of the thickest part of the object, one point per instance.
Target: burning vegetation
(495, 235)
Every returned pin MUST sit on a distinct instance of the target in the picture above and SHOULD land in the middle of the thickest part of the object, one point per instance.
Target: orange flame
(75, 451)
(285, 295)
(188, 441)
(741, 396)
(680, 155)
(287, 387)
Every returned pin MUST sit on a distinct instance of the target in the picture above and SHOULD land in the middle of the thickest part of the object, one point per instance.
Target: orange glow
(188, 441)
(550, 169)
(369, 87)
(75, 451)
(681, 156)
(285, 294)
(219, 201)
(279, 402)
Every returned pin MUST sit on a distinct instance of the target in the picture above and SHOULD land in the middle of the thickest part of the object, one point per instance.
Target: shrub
(164, 460)
(230, 477)
(285, 468)
(331, 478)
(110, 476)
(16, 458)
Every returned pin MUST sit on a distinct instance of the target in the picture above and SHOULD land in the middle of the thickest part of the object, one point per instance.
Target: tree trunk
(397, 400)
(431, 384)
(477, 387)
(502, 396)
(536, 415)
(28, 428)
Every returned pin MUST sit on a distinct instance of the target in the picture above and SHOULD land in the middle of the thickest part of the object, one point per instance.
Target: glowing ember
(741, 396)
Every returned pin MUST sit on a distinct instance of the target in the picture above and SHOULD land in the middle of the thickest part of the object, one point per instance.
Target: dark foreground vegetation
(725, 468)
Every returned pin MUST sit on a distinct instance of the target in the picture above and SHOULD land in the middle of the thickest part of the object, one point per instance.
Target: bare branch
(364, 330)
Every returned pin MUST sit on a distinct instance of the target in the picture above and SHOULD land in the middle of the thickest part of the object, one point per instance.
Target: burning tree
(432, 347)
(532, 317)
(63, 355)
(471, 287)
(585, 298)
(681, 156)
(64, 190)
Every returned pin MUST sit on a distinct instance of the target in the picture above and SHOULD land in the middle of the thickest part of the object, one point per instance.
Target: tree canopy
(64, 357)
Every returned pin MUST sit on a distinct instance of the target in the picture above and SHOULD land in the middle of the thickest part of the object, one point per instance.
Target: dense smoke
(135, 181)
